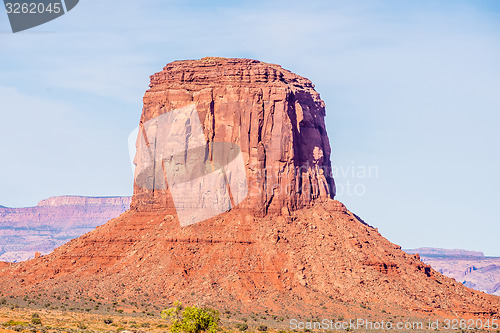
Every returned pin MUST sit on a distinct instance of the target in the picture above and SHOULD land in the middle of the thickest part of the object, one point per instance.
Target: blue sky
(411, 88)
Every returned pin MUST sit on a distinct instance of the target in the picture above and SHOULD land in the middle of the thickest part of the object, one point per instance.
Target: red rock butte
(296, 252)
(276, 117)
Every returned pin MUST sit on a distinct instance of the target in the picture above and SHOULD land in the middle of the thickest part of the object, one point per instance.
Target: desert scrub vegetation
(11, 323)
(191, 319)
(35, 319)
(241, 327)
(108, 321)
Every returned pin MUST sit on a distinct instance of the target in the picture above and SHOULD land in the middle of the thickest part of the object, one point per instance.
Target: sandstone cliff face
(53, 222)
(274, 116)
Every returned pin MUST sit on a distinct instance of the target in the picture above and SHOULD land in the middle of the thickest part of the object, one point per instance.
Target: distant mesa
(53, 222)
(472, 269)
(73, 200)
(437, 252)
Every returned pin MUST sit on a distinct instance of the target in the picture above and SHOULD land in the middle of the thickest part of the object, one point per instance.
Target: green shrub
(262, 328)
(241, 326)
(14, 323)
(108, 321)
(191, 319)
(36, 321)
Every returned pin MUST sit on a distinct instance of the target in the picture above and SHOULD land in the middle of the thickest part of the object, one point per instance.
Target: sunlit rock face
(268, 123)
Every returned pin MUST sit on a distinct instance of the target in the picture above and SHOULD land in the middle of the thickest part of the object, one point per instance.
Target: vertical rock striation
(274, 116)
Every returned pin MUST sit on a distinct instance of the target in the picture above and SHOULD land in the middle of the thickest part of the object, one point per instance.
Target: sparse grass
(14, 323)
(80, 321)
(77, 321)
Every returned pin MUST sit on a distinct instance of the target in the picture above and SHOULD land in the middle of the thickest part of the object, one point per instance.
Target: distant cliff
(473, 269)
(437, 252)
(53, 222)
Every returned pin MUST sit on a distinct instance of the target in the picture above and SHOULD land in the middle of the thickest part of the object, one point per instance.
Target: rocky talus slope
(296, 251)
(320, 260)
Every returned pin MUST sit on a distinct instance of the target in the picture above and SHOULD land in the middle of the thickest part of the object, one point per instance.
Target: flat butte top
(216, 71)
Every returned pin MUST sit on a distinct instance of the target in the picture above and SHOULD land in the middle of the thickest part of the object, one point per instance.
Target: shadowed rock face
(274, 116)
